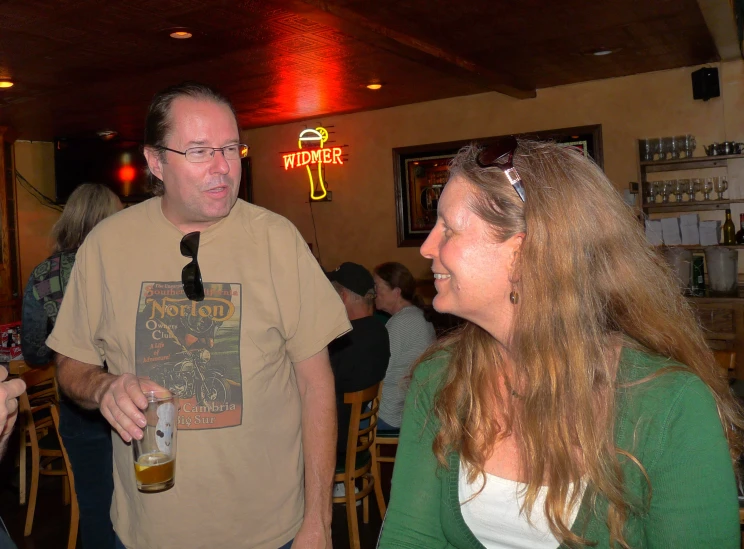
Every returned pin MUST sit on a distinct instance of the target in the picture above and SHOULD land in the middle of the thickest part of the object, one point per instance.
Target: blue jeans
(87, 438)
(382, 426)
(120, 545)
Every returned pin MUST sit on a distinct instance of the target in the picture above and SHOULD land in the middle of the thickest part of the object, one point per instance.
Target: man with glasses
(222, 303)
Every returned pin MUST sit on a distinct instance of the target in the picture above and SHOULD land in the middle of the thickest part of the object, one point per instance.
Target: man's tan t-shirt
(239, 465)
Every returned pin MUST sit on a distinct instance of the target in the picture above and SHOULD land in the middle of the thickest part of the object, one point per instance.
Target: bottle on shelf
(697, 284)
(740, 233)
(728, 230)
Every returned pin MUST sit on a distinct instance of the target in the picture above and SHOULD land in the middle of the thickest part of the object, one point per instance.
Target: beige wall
(35, 162)
(359, 225)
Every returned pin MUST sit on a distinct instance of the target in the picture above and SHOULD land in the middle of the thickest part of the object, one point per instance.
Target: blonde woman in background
(579, 406)
(86, 434)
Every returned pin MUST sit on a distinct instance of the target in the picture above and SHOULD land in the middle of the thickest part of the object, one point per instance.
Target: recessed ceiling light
(107, 135)
(603, 51)
(6, 84)
(374, 86)
(181, 34)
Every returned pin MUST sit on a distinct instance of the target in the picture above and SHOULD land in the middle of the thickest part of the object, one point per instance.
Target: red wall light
(126, 174)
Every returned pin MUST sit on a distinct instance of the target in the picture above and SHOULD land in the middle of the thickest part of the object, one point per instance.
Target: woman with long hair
(579, 406)
(410, 334)
(86, 434)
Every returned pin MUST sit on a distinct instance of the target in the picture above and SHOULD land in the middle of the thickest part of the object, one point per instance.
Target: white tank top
(494, 518)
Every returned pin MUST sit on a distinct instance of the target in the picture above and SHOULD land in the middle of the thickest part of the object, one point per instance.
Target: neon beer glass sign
(312, 153)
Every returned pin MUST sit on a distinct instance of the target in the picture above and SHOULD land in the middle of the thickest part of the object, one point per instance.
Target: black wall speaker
(705, 84)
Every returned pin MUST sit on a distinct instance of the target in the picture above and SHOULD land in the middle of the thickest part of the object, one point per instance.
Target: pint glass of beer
(155, 454)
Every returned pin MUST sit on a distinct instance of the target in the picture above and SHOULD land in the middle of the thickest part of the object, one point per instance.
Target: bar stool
(385, 438)
(360, 460)
(39, 419)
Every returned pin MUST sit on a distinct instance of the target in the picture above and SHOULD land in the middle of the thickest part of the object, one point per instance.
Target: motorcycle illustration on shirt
(192, 376)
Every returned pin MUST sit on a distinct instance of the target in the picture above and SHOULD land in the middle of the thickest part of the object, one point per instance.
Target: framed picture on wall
(420, 173)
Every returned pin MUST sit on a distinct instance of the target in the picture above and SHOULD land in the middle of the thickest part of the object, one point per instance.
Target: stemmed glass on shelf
(721, 185)
(693, 187)
(667, 187)
(707, 187)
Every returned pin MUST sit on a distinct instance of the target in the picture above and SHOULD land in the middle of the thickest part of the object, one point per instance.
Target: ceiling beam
(384, 38)
(721, 21)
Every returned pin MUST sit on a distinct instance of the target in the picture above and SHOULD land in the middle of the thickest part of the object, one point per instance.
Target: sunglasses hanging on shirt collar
(191, 274)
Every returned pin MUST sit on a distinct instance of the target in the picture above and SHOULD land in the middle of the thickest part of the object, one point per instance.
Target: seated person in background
(86, 434)
(410, 335)
(579, 406)
(360, 357)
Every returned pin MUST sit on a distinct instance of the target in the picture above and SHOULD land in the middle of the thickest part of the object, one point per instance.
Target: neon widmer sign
(312, 153)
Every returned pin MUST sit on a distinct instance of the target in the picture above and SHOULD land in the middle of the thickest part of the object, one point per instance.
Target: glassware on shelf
(688, 145)
(679, 186)
(658, 187)
(667, 186)
(693, 187)
(665, 147)
(685, 184)
(707, 187)
(721, 185)
(646, 149)
(658, 148)
(652, 189)
(681, 141)
(672, 147)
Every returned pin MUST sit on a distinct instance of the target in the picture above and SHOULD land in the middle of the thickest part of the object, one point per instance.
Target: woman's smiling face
(471, 268)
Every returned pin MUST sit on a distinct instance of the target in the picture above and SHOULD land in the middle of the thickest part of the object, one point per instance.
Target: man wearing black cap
(359, 358)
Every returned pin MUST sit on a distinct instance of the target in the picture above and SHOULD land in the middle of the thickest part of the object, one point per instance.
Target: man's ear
(154, 159)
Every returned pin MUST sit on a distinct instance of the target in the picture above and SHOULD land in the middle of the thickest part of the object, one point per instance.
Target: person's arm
(9, 393)
(120, 398)
(399, 365)
(693, 489)
(395, 327)
(317, 395)
(34, 329)
(413, 516)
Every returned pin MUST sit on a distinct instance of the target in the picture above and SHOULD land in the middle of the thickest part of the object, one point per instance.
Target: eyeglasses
(191, 274)
(197, 155)
(501, 155)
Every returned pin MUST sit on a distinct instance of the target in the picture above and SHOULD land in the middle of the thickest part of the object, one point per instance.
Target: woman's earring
(514, 297)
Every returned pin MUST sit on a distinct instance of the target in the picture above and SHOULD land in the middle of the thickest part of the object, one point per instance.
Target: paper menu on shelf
(710, 231)
(653, 233)
(688, 224)
(670, 231)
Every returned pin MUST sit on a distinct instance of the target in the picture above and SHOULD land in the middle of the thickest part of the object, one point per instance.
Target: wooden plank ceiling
(87, 65)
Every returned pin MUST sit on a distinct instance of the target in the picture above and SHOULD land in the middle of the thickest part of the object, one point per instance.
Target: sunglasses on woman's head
(191, 274)
(501, 155)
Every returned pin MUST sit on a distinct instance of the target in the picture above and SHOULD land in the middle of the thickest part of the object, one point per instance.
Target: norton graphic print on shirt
(193, 349)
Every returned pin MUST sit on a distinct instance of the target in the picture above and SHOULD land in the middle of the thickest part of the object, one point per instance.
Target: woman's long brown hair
(88, 205)
(587, 279)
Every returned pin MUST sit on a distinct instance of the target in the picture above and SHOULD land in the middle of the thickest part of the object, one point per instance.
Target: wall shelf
(694, 163)
(696, 248)
(722, 317)
(695, 206)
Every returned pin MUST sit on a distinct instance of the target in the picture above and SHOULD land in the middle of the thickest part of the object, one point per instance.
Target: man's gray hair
(369, 298)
